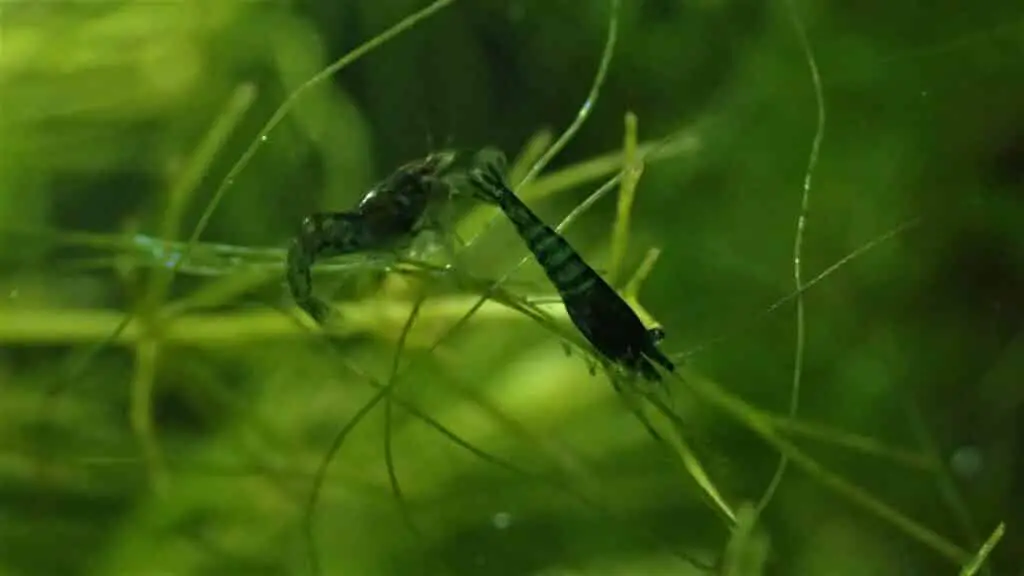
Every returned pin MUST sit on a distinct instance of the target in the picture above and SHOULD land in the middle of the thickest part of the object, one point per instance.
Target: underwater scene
(511, 288)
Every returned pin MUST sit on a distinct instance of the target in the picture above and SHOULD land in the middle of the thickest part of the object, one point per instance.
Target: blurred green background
(106, 112)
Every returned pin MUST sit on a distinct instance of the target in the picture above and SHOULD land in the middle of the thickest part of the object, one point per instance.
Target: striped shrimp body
(598, 312)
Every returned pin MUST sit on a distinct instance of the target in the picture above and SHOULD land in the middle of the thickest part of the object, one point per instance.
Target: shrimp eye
(309, 226)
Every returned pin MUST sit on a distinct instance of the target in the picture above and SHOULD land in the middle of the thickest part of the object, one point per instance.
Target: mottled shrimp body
(397, 208)
(387, 219)
(598, 312)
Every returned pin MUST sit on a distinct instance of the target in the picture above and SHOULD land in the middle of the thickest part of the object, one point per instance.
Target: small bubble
(966, 461)
(13, 294)
(502, 520)
(263, 138)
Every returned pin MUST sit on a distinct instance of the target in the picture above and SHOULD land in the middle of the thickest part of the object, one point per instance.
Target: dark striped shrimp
(600, 314)
(387, 219)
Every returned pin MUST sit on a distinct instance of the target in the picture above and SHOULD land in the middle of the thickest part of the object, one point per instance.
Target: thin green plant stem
(432, 422)
(942, 48)
(833, 268)
(581, 114)
(752, 420)
(141, 414)
(746, 552)
(664, 420)
(389, 461)
(798, 242)
(943, 479)
(528, 156)
(206, 259)
(674, 145)
(632, 170)
(855, 442)
(318, 480)
(147, 351)
(212, 294)
(584, 111)
(49, 326)
(631, 291)
(185, 186)
(978, 561)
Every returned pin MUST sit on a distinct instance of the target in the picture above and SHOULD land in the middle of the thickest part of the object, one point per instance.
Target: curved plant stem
(801, 224)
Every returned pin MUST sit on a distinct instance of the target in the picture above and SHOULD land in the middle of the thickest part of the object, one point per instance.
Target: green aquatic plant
(490, 417)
